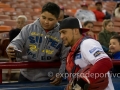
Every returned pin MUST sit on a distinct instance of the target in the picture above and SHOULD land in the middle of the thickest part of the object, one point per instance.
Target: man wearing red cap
(84, 14)
(85, 51)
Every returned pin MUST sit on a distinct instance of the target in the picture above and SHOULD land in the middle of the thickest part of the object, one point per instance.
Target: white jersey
(91, 52)
(85, 15)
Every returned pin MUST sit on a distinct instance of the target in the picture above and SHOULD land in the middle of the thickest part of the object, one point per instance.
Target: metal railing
(19, 65)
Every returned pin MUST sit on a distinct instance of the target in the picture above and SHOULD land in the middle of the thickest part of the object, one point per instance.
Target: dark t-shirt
(13, 33)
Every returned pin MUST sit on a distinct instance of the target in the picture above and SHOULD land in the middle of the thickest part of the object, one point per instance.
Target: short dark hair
(87, 22)
(118, 4)
(116, 37)
(51, 8)
(98, 3)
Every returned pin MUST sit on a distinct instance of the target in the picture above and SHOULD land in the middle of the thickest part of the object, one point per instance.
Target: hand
(11, 53)
(83, 84)
(77, 87)
(69, 87)
(56, 80)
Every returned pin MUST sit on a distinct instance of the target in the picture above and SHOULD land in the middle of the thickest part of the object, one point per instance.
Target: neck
(99, 9)
(76, 39)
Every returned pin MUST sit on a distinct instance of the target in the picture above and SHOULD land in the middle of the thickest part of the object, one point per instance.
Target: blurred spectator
(21, 21)
(84, 14)
(114, 48)
(40, 42)
(117, 10)
(100, 13)
(106, 34)
(89, 25)
(61, 15)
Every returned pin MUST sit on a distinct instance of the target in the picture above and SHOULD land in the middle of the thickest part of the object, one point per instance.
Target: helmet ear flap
(100, 84)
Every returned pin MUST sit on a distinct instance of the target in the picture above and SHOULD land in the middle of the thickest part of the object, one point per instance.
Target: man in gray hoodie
(40, 41)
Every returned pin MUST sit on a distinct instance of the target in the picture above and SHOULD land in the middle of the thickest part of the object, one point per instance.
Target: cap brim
(84, 30)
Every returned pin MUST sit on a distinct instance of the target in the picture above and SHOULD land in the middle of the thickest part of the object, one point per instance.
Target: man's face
(21, 23)
(47, 20)
(67, 35)
(84, 7)
(99, 7)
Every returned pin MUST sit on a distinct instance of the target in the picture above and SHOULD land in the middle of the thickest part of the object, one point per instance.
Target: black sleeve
(11, 35)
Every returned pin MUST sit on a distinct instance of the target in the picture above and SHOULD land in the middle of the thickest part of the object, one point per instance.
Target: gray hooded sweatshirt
(39, 46)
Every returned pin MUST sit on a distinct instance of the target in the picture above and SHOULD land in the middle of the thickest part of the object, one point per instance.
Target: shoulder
(90, 11)
(117, 9)
(89, 43)
(94, 11)
(88, 46)
(30, 27)
(114, 33)
(102, 32)
(36, 23)
(79, 10)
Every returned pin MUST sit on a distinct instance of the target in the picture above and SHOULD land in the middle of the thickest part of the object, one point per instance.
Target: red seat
(97, 29)
(21, 1)
(16, 13)
(37, 9)
(117, 29)
(98, 24)
(18, 5)
(36, 5)
(5, 28)
(116, 24)
(1, 13)
(30, 21)
(4, 35)
(24, 9)
(4, 17)
(29, 17)
(11, 23)
(2, 5)
(8, 9)
(31, 13)
(116, 19)
(13, 17)
(71, 12)
(34, 1)
(4, 1)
